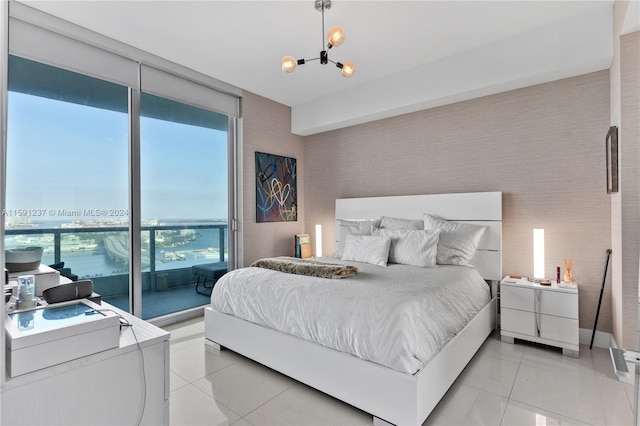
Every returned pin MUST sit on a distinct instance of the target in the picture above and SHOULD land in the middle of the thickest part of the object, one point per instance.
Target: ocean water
(95, 262)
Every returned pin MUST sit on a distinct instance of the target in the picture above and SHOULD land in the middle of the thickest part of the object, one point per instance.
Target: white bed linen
(399, 316)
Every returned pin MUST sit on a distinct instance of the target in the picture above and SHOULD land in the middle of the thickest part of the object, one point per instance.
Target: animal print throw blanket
(312, 268)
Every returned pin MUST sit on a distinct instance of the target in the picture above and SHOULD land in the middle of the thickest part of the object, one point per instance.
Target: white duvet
(398, 316)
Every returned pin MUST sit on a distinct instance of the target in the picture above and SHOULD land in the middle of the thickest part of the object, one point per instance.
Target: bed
(403, 392)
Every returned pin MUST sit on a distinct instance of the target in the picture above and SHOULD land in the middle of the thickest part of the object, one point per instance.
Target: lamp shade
(288, 63)
(348, 69)
(335, 36)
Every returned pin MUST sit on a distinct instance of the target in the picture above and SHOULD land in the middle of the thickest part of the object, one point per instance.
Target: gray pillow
(367, 249)
(458, 241)
(411, 246)
(353, 227)
(399, 223)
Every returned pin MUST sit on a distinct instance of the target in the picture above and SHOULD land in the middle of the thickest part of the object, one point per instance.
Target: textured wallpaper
(630, 182)
(266, 128)
(542, 146)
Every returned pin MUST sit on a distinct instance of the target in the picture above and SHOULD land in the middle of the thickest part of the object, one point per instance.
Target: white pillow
(411, 247)
(399, 223)
(367, 249)
(458, 241)
(353, 227)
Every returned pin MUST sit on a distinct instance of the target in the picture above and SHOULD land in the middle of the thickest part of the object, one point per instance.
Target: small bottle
(26, 292)
(557, 275)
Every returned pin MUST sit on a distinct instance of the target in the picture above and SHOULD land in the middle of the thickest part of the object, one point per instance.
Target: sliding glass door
(118, 164)
(67, 180)
(68, 185)
(184, 202)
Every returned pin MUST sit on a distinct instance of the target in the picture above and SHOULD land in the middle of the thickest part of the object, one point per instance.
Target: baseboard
(601, 340)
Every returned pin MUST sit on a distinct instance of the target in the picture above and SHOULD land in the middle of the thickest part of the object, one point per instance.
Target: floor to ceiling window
(118, 164)
(67, 172)
(184, 201)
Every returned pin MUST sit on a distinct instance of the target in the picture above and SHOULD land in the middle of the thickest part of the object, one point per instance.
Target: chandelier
(335, 37)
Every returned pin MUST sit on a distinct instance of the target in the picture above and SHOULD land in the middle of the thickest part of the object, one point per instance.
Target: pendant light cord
(322, 38)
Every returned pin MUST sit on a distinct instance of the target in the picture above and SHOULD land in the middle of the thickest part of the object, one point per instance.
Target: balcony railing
(112, 242)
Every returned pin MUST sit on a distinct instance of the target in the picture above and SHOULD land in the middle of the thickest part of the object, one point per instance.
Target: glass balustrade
(101, 254)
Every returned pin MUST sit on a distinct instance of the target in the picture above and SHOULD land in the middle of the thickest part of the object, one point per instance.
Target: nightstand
(541, 314)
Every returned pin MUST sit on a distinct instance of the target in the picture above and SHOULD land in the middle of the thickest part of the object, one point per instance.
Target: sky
(65, 157)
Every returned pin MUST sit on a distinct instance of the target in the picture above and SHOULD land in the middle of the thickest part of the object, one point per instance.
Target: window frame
(41, 37)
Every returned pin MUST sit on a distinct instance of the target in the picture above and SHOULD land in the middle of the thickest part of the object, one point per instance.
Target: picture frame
(276, 188)
(611, 146)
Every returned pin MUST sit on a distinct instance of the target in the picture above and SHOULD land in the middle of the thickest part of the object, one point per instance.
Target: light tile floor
(504, 384)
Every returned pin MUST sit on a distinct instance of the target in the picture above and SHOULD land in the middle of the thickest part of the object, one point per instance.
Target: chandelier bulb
(288, 64)
(348, 69)
(335, 36)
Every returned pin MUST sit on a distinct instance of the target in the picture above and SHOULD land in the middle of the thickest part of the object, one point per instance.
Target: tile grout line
(217, 402)
(268, 401)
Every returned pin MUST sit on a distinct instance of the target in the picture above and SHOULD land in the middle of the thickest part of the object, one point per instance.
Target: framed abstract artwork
(612, 159)
(276, 188)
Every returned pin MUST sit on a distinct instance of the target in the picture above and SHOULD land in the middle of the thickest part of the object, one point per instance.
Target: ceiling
(408, 54)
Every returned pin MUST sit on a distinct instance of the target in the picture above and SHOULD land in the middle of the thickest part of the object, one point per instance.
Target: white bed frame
(392, 397)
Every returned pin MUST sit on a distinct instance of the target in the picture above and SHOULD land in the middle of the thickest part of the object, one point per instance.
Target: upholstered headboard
(483, 208)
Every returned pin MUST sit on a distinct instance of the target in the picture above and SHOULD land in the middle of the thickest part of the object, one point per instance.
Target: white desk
(104, 388)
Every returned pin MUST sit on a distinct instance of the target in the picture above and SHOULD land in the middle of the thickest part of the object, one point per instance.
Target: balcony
(101, 254)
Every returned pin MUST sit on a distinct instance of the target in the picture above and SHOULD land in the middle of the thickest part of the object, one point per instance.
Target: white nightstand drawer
(517, 298)
(559, 329)
(558, 303)
(517, 321)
